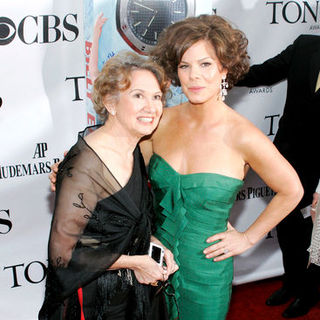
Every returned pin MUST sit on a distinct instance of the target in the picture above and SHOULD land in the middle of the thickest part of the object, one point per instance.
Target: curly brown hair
(115, 77)
(229, 43)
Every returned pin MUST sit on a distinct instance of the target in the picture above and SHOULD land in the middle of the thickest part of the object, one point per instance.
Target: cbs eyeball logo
(39, 29)
(7, 30)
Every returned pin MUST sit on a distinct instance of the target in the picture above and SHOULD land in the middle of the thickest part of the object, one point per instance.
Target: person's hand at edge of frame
(53, 174)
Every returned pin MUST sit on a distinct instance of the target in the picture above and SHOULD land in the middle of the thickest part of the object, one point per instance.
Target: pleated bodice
(189, 209)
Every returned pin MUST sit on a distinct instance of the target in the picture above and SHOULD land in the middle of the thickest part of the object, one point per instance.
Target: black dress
(95, 221)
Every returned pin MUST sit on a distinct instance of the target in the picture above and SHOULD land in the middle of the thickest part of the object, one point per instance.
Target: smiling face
(200, 73)
(139, 107)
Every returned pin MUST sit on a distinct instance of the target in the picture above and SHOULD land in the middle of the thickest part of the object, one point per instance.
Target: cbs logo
(39, 29)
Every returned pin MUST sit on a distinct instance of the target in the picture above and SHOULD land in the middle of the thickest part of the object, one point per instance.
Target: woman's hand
(53, 176)
(147, 271)
(99, 24)
(171, 265)
(231, 243)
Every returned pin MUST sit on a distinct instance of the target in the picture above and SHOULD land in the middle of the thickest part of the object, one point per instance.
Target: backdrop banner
(45, 99)
(41, 110)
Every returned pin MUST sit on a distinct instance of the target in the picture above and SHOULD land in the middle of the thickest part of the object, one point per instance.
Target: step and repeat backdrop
(45, 90)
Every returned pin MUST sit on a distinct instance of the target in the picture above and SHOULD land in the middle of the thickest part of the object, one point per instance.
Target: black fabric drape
(95, 221)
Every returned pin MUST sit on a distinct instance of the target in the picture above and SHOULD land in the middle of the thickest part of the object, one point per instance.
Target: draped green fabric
(189, 209)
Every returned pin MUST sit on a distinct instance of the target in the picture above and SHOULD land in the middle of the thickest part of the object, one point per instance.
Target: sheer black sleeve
(87, 235)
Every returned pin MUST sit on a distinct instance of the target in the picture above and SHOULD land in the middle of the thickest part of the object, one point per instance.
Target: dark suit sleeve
(271, 71)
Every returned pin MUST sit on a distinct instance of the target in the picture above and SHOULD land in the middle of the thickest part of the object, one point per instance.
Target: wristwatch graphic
(140, 22)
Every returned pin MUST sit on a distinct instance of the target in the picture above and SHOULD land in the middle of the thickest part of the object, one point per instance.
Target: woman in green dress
(198, 157)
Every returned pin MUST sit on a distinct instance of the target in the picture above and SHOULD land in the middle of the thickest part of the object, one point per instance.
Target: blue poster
(115, 25)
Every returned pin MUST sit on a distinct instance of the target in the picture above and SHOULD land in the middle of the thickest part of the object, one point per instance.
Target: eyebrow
(138, 89)
(199, 59)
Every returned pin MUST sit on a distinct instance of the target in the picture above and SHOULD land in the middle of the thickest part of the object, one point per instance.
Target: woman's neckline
(190, 174)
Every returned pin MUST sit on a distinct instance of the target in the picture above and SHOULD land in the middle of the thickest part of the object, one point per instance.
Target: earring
(223, 86)
(113, 112)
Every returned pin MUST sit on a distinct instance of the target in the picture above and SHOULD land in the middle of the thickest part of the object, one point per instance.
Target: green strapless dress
(189, 209)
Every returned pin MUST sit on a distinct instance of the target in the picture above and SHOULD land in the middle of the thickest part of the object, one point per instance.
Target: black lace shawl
(95, 221)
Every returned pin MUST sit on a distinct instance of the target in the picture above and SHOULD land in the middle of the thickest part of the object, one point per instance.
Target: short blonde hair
(115, 77)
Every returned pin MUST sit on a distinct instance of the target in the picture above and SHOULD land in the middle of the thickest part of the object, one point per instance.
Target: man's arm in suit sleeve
(269, 72)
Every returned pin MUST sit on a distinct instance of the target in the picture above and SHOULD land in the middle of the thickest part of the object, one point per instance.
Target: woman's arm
(263, 157)
(144, 267)
(93, 61)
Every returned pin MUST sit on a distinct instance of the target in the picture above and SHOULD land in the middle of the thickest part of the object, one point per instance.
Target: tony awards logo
(294, 11)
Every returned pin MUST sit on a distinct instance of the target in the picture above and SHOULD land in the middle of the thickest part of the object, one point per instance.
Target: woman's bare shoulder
(171, 112)
(147, 143)
(243, 131)
(169, 115)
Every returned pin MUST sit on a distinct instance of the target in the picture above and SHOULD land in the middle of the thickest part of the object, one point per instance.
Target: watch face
(141, 21)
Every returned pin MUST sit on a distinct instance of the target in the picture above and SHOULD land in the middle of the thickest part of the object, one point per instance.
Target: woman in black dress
(101, 228)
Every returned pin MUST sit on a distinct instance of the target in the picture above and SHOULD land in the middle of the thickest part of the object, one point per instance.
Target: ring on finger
(155, 283)
(225, 251)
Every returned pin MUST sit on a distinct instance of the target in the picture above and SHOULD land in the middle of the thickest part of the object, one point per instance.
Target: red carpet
(248, 302)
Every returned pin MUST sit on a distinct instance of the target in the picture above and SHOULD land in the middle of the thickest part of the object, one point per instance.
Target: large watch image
(140, 22)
